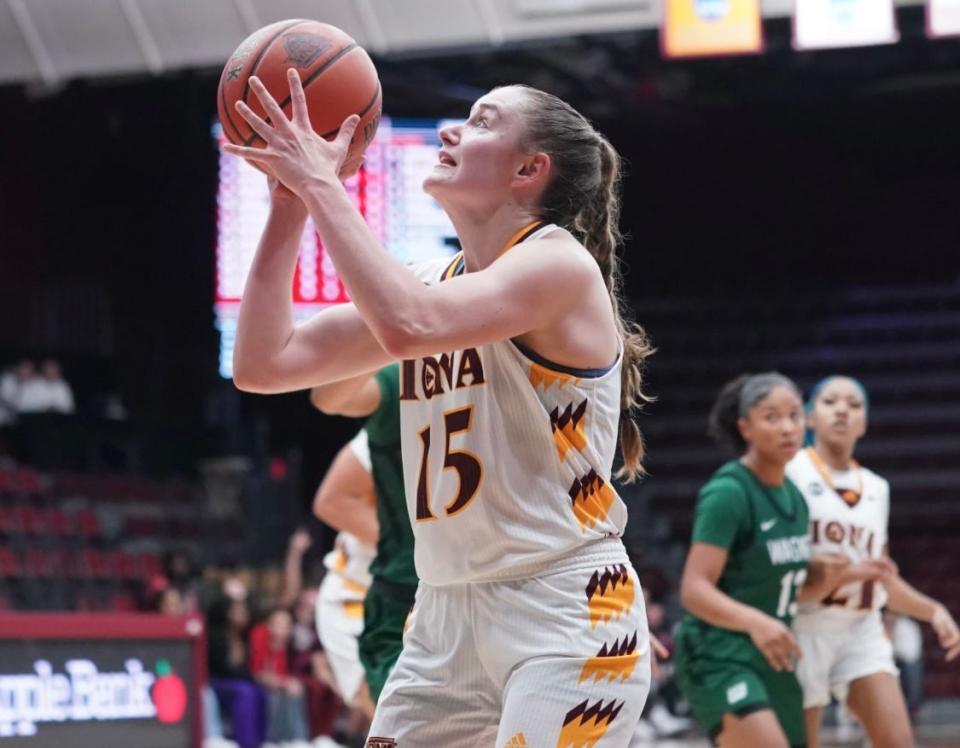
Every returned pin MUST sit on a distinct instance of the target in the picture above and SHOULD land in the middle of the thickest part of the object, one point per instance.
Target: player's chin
(437, 181)
(789, 448)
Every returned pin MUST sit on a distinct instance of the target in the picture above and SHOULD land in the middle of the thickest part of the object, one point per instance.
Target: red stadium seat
(10, 565)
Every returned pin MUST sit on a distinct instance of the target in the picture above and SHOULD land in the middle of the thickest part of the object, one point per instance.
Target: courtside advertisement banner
(700, 28)
(943, 18)
(825, 24)
(78, 689)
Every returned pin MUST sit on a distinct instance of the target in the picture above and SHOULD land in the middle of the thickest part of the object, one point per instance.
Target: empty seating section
(902, 342)
(90, 542)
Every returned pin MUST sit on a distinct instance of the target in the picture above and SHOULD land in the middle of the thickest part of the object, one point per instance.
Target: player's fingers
(298, 101)
(256, 154)
(780, 663)
(274, 112)
(256, 122)
(347, 129)
(776, 658)
(949, 637)
(952, 653)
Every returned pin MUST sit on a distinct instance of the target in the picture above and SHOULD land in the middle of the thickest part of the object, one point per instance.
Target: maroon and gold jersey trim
(456, 267)
(850, 497)
(520, 236)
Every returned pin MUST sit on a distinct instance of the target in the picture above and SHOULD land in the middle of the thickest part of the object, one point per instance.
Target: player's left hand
(294, 153)
(947, 631)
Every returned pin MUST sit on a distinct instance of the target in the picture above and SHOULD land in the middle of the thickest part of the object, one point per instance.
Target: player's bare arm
(903, 598)
(829, 571)
(700, 595)
(343, 499)
(356, 397)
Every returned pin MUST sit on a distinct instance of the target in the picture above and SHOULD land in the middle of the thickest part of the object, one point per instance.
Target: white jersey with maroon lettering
(849, 511)
(507, 456)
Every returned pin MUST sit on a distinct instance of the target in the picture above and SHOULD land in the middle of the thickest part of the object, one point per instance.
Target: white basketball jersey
(506, 456)
(350, 561)
(848, 514)
(350, 558)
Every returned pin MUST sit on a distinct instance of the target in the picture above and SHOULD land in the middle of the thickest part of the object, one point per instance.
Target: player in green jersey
(391, 594)
(735, 652)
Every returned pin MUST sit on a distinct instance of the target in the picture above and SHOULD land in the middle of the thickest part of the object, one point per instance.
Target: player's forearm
(709, 604)
(292, 577)
(820, 582)
(265, 323)
(387, 294)
(349, 513)
(905, 599)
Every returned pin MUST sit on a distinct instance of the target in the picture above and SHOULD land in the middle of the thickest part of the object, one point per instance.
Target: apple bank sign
(84, 694)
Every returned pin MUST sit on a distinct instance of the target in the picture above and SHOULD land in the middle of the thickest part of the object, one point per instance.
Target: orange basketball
(338, 77)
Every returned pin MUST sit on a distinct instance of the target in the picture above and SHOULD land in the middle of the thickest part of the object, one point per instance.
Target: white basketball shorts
(833, 659)
(558, 659)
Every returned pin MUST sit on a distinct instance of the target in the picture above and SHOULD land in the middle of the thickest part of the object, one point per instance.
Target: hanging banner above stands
(823, 24)
(698, 28)
(943, 18)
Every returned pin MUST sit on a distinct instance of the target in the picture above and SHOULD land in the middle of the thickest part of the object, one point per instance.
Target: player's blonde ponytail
(584, 197)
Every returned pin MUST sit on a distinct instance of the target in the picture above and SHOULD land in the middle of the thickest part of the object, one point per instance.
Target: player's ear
(743, 426)
(535, 167)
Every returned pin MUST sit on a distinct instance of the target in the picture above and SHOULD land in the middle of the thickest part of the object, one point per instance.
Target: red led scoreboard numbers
(78, 680)
(387, 191)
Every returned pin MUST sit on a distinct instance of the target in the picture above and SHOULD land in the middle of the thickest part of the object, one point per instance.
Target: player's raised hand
(300, 541)
(948, 634)
(660, 652)
(775, 641)
(294, 153)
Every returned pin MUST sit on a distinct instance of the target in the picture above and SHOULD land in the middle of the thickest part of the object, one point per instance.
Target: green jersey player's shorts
(385, 611)
(717, 687)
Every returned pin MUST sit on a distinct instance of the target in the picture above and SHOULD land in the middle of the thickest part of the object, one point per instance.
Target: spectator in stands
(307, 660)
(15, 382)
(181, 574)
(228, 621)
(8, 406)
(46, 393)
(309, 664)
(270, 665)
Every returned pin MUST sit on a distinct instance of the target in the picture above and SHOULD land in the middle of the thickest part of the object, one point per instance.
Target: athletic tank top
(507, 456)
(848, 514)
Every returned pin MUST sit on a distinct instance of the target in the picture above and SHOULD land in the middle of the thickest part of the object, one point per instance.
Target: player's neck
(768, 473)
(836, 456)
(483, 236)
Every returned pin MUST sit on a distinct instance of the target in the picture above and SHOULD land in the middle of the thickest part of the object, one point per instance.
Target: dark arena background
(790, 209)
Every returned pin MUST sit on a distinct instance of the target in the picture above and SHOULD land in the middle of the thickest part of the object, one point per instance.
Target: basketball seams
(260, 55)
(340, 54)
(246, 84)
(361, 113)
(343, 52)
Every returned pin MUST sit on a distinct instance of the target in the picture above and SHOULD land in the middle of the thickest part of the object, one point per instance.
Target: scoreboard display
(387, 191)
